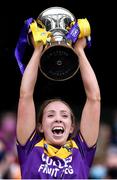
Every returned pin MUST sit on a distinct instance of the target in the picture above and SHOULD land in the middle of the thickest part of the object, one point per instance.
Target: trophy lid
(56, 18)
(56, 10)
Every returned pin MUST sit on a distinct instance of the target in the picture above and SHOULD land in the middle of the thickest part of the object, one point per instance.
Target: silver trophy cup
(59, 61)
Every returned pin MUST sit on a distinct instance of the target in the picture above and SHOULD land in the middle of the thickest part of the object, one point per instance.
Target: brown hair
(43, 106)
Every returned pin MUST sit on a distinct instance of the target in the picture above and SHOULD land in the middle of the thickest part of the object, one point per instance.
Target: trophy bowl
(58, 61)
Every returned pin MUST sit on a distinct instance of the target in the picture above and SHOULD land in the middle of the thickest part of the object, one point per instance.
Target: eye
(50, 115)
(65, 115)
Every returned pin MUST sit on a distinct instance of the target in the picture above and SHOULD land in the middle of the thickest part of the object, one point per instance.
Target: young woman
(49, 149)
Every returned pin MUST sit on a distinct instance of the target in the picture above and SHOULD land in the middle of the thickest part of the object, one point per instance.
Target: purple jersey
(38, 160)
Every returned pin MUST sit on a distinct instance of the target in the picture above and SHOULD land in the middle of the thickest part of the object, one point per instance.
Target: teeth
(57, 128)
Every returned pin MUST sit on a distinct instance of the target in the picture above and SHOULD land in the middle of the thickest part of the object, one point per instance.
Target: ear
(40, 128)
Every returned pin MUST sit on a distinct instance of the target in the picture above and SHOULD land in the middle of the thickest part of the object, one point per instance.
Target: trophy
(58, 29)
(58, 62)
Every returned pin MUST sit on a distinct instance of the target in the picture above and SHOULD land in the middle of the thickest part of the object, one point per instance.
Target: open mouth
(58, 130)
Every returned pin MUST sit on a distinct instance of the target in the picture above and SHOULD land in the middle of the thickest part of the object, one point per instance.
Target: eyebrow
(52, 111)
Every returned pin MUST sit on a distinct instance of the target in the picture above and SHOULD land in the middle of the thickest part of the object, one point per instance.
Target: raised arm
(90, 118)
(26, 119)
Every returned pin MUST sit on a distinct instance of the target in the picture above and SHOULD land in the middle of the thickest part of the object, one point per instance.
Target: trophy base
(59, 63)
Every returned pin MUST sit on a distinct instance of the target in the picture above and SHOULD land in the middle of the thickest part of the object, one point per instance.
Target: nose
(58, 121)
